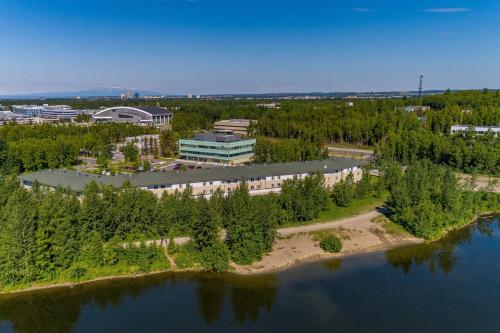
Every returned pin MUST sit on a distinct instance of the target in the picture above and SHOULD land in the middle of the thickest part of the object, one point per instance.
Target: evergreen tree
(343, 192)
(205, 231)
(364, 186)
(92, 250)
(17, 238)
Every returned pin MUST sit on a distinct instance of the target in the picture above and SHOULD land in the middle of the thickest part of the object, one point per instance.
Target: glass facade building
(218, 148)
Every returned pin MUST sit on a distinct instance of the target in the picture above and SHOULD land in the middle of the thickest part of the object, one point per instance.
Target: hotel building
(260, 178)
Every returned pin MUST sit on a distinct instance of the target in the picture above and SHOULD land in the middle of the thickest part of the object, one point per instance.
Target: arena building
(139, 115)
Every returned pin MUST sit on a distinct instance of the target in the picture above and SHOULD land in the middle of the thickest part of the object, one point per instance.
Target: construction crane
(420, 86)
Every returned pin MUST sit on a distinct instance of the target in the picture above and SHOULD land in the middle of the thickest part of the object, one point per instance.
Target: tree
(17, 238)
(130, 152)
(205, 231)
(92, 250)
(364, 186)
(244, 241)
(343, 192)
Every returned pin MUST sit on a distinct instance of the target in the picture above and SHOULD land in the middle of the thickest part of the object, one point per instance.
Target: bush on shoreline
(331, 243)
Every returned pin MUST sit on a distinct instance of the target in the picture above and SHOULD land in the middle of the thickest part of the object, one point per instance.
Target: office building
(28, 110)
(219, 148)
(235, 126)
(49, 111)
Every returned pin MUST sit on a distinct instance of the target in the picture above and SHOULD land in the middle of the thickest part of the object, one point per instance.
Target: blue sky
(248, 46)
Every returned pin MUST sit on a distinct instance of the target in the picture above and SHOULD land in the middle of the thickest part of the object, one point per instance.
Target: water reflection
(332, 264)
(58, 310)
(331, 295)
(439, 254)
(36, 311)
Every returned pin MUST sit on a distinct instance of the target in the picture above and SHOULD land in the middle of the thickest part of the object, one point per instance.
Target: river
(452, 285)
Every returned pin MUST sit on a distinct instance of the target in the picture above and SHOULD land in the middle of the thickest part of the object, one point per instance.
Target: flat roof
(477, 128)
(240, 122)
(217, 137)
(77, 181)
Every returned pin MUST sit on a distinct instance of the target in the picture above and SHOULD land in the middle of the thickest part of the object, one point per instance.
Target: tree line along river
(452, 285)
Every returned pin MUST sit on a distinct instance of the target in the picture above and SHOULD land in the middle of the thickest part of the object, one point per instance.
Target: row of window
(215, 154)
(230, 181)
(185, 145)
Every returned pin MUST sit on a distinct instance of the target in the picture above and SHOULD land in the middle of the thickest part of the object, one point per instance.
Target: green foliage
(78, 272)
(187, 256)
(31, 148)
(17, 238)
(344, 191)
(364, 186)
(168, 143)
(304, 199)
(287, 150)
(216, 257)
(130, 152)
(205, 226)
(331, 243)
(251, 224)
(171, 247)
(92, 249)
(429, 200)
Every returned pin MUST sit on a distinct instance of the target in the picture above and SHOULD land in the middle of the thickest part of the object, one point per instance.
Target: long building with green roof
(260, 178)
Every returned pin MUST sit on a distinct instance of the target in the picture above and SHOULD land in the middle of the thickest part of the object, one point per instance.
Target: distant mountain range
(96, 92)
(114, 92)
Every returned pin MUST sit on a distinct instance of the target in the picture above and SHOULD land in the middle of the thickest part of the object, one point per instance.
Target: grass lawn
(391, 227)
(333, 212)
(358, 206)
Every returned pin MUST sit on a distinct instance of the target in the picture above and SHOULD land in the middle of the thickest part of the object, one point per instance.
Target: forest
(297, 130)
(428, 200)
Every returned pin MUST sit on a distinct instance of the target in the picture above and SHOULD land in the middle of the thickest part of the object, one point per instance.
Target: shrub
(216, 257)
(187, 256)
(331, 243)
(78, 272)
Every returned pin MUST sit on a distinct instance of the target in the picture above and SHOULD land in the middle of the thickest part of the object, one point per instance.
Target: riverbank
(293, 245)
(365, 233)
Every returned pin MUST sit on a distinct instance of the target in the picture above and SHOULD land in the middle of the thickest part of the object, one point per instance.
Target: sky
(248, 46)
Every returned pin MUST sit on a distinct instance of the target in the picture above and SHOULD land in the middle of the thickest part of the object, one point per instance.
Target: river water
(448, 286)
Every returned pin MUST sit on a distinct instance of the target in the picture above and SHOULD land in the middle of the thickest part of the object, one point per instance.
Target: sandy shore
(360, 234)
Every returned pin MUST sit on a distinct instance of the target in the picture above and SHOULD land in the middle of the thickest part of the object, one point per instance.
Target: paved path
(349, 222)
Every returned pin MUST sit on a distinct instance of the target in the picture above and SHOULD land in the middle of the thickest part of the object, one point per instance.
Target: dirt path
(483, 182)
(346, 223)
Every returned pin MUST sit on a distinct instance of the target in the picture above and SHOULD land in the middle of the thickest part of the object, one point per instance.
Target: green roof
(78, 180)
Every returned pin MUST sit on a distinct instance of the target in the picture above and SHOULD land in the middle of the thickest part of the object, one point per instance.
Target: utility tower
(420, 86)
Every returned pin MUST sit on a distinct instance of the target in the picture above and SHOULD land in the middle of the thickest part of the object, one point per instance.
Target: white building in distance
(478, 130)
